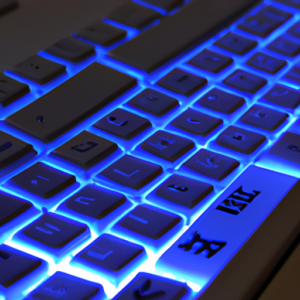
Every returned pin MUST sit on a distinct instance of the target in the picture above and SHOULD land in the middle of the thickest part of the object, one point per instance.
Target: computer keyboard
(148, 157)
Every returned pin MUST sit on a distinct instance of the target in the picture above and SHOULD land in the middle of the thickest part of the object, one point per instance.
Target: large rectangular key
(71, 103)
(251, 224)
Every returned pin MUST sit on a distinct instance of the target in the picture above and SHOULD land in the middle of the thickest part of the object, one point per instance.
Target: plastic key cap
(11, 90)
(39, 69)
(46, 118)
(293, 74)
(295, 29)
(43, 180)
(285, 46)
(293, 3)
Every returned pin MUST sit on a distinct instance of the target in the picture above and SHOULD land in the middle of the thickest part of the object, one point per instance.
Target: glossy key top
(285, 46)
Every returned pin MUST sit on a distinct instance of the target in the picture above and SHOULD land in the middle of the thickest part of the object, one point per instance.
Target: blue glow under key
(209, 244)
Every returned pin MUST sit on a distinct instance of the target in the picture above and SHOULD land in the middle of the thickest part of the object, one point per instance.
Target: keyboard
(154, 154)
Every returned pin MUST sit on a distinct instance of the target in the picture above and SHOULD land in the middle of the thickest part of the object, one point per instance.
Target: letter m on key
(237, 201)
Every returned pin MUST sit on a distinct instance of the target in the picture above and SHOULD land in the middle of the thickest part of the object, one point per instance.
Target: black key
(196, 122)
(102, 34)
(94, 201)
(149, 221)
(283, 96)
(15, 265)
(39, 69)
(71, 49)
(182, 82)
(177, 33)
(7, 5)
(295, 29)
(211, 164)
(134, 15)
(12, 149)
(211, 61)
(266, 63)
(165, 4)
(154, 102)
(43, 180)
(264, 118)
(123, 124)
(184, 191)
(11, 90)
(245, 81)
(221, 101)
(47, 118)
(66, 287)
(293, 74)
(265, 22)
(132, 172)
(240, 140)
(293, 3)
(86, 149)
(285, 46)
(167, 145)
(11, 208)
(236, 43)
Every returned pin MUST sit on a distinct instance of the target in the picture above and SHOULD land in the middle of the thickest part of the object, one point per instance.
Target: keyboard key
(211, 61)
(39, 69)
(167, 145)
(265, 22)
(67, 287)
(102, 34)
(11, 90)
(134, 15)
(240, 140)
(283, 96)
(293, 74)
(182, 82)
(132, 172)
(12, 149)
(221, 101)
(295, 29)
(245, 81)
(86, 149)
(196, 122)
(285, 47)
(211, 164)
(154, 102)
(46, 118)
(266, 63)
(236, 43)
(71, 49)
(43, 180)
(264, 118)
(123, 124)
(293, 3)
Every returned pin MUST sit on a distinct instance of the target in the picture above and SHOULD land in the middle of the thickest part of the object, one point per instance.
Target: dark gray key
(47, 118)
(102, 34)
(12, 149)
(240, 140)
(293, 74)
(133, 15)
(293, 3)
(165, 4)
(7, 5)
(39, 69)
(43, 180)
(71, 49)
(285, 46)
(86, 149)
(211, 164)
(177, 33)
(11, 90)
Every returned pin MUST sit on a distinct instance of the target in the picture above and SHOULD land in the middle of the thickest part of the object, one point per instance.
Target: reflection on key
(101, 253)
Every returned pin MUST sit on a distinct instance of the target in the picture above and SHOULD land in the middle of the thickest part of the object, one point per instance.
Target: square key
(211, 164)
(264, 118)
(71, 49)
(123, 124)
(154, 102)
(221, 101)
(86, 149)
(167, 145)
(236, 43)
(295, 29)
(132, 172)
(211, 61)
(11, 90)
(240, 140)
(184, 191)
(39, 69)
(43, 180)
(245, 81)
(196, 122)
(293, 74)
(182, 82)
(266, 63)
(285, 46)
